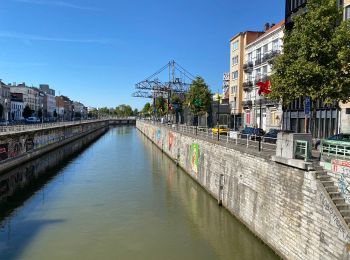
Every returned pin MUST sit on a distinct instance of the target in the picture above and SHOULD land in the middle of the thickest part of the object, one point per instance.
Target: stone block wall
(287, 208)
(25, 144)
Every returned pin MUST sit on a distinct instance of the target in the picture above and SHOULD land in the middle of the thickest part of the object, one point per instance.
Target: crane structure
(176, 82)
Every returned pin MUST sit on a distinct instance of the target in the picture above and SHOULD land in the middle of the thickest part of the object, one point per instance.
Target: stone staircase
(334, 193)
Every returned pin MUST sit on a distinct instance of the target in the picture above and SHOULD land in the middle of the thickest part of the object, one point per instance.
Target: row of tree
(197, 99)
(119, 111)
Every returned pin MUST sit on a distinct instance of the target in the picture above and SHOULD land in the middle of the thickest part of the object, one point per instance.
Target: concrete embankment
(19, 147)
(287, 208)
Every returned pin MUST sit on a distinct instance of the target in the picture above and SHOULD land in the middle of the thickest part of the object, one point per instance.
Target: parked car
(252, 133)
(222, 130)
(4, 122)
(32, 120)
(338, 137)
(271, 135)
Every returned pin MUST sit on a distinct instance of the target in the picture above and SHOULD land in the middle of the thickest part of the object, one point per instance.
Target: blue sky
(94, 51)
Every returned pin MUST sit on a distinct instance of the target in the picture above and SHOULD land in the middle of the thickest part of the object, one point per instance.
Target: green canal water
(121, 198)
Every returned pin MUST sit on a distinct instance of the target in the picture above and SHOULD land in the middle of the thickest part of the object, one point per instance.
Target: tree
(135, 112)
(198, 97)
(176, 102)
(161, 106)
(55, 114)
(147, 109)
(27, 112)
(316, 55)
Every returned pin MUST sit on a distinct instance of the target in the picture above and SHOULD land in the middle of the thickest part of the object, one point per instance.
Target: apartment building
(49, 100)
(238, 44)
(17, 106)
(329, 119)
(259, 55)
(344, 122)
(5, 101)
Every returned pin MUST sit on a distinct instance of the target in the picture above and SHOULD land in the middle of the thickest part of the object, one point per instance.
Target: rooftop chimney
(266, 27)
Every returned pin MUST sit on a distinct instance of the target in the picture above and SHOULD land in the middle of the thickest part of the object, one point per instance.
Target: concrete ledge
(16, 161)
(299, 164)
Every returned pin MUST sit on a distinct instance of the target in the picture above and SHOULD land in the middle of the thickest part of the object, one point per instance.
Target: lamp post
(42, 115)
(218, 115)
(6, 112)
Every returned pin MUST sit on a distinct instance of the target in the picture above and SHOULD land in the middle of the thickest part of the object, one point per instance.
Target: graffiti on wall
(3, 151)
(334, 218)
(29, 144)
(158, 136)
(194, 157)
(170, 140)
(340, 166)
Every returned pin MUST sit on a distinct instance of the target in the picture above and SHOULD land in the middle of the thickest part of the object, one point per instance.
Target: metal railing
(337, 149)
(301, 150)
(38, 126)
(230, 138)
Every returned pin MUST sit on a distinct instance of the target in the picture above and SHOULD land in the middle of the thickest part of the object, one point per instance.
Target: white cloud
(57, 3)
(31, 37)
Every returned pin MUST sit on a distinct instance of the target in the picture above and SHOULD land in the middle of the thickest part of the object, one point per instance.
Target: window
(235, 45)
(235, 74)
(258, 54)
(250, 57)
(235, 60)
(264, 71)
(257, 74)
(347, 111)
(347, 12)
(233, 89)
(275, 45)
(266, 49)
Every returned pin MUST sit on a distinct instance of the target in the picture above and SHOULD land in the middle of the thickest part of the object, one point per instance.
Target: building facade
(237, 51)
(344, 122)
(49, 101)
(259, 55)
(5, 101)
(17, 106)
(329, 118)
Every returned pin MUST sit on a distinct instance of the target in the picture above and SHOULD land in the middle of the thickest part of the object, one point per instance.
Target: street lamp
(218, 115)
(6, 112)
(42, 114)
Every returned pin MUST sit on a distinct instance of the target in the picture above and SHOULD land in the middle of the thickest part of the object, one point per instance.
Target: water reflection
(225, 234)
(121, 198)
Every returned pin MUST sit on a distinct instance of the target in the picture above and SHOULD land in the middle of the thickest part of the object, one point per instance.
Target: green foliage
(146, 110)
(177, 103)
(198, 97)
(316, 56)
(27, 112)
(161, 106)
(123, 111)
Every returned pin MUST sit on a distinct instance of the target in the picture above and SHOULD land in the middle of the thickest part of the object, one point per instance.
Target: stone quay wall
(287, 208)
(20, 147)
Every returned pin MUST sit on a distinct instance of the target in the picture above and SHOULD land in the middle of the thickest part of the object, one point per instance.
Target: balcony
(247, 104)
(247, 86)
(248, 67)
(258, 61)
(268, 57)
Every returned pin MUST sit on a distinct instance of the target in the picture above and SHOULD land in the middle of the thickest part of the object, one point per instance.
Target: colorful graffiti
(158, 136)
(194, 157)
(3, 151)
(170, 140)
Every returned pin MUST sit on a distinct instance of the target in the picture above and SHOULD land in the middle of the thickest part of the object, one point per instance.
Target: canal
(121, 198)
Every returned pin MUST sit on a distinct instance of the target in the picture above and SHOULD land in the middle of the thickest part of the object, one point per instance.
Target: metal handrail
(246, 140)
